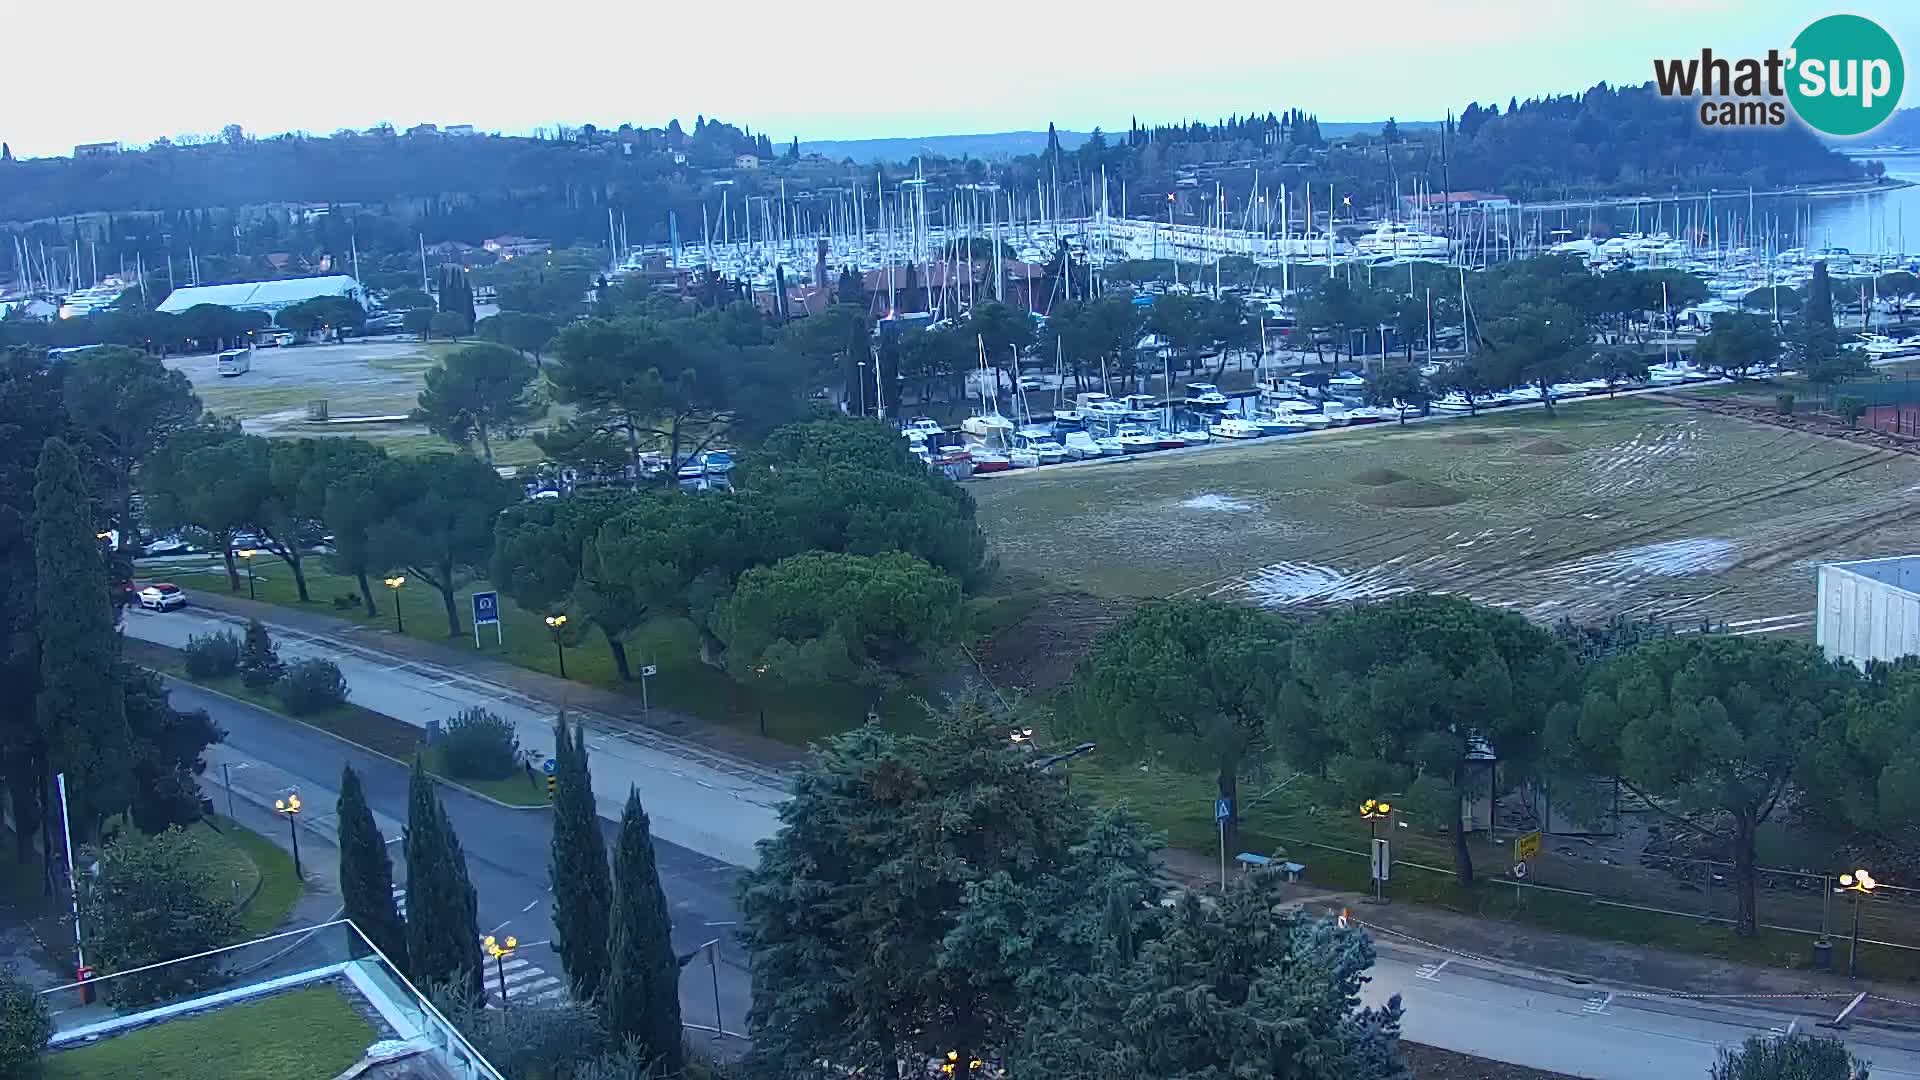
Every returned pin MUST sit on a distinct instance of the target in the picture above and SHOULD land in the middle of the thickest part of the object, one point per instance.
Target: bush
(154, 900)
(311, 686)
(25, 1025)
(260, 665)
(213, 656)
(479, 746)
(1783, 404)
(1851, 409)
(345, 601)
(1796, 1057)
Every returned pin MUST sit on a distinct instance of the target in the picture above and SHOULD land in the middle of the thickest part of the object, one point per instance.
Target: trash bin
(1823, 955)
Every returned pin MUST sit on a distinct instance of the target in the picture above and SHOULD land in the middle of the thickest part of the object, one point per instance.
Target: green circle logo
(1847, 75)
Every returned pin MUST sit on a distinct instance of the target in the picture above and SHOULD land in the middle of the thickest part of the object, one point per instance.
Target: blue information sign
(549, 768)
(486, 608)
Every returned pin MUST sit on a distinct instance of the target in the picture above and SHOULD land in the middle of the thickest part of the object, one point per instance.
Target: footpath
(709, 790)
(717, 791)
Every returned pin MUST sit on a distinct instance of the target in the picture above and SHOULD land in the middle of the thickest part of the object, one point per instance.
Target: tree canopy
(481, 393)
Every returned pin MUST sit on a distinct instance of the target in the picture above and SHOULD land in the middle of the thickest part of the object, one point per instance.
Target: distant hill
(1901, 129)
(993, 146)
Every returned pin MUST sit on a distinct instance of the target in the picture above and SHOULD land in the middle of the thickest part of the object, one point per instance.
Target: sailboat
(988, 434)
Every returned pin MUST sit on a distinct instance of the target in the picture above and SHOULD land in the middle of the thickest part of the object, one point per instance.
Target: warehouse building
(1869, 609)
(271, 297)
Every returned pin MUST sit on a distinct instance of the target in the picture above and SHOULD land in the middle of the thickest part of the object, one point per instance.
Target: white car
(163, 597)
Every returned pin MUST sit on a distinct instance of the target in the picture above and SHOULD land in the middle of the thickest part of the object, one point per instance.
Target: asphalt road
(507, 850)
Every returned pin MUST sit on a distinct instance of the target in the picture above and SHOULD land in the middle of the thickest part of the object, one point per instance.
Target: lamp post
(555, 623)
(1861, 885)
(289, 808)
(248, 554)
(500, 950)
(394, 583)
(1373, 811)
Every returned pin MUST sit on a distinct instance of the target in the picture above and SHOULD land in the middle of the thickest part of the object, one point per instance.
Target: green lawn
(684, 684)
(279, 888)
(515, 790)
(306, 1034)
(362, 726)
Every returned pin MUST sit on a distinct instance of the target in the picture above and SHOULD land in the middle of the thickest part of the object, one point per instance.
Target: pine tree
(443, 934)
(643, 981)
(6, 152)
(582, 889)
(366, 873)
(82, 712)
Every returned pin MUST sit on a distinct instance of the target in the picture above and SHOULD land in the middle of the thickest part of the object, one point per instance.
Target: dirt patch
(1470, 438)
(1378, 476)
(1413, 494)
(1433, 1063)
(1037, 651)
(1548, 447)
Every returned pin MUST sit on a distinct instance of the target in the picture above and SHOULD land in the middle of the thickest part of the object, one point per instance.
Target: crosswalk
(526, 982)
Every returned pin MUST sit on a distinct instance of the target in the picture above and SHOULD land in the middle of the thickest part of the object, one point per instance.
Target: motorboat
(1672, 374)
(1399, 239)
(1039, 441)
(717, 462)
(1068, 420)
(1104, 414)
(1195, 436)
(1023, 458)
(1080, 446)
(1299, 412)
(1141, 408)
(1235, 427)
(1278, 423)
(1453, 401)
(1134, 439)
(1338, 413)
(926, 425)
(1347, 385)
(1205, 395)
(989, 430)
(1370, 414)
(989, 461)
(1523, 395)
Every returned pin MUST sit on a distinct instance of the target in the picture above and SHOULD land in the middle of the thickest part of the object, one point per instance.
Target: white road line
(1777, 628)
(1432, 971)
(1770, 619)
(529, 906)
(1597, 1004)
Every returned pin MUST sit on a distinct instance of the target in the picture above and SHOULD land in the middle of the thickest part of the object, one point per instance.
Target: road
(506, 849)
(698, 799)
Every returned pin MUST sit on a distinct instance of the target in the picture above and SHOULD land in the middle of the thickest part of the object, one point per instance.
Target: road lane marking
(1597, 1004)
(1432, 971)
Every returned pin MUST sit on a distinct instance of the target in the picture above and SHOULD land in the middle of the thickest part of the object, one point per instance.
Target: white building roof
(260, 295)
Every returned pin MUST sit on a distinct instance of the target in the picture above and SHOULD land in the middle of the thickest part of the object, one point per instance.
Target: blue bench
(1293, 870)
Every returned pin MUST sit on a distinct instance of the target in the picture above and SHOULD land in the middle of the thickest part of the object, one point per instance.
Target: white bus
(236, 362)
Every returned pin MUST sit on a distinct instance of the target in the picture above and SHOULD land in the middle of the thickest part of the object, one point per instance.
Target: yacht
(1672, 374)
(988, 430)
(1080, 446)
(1021, 457)
(1347, 385)
(1104, 414)
(1370, 414)
(1141, 408)
(1299, 412)
(1195, 436)
(1204, 395)
(1135, 440)
(989, 461)
(1235, 427)
(1338, 413)
(927, 426)
(1399, 239)
(1039, 441)
(1453, 401)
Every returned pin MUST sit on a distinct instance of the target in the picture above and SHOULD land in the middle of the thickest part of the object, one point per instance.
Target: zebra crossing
(526, 982)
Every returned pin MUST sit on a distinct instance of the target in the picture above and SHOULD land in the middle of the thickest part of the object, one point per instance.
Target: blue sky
(138, 70)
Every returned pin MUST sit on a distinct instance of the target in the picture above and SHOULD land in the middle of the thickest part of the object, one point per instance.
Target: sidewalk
(700, 795)
(1579, 960)
(250, 803)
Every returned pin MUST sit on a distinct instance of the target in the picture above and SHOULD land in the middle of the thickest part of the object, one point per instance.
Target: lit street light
(248, 554)
(289, 808)
(500, 951)
(555, 623)
(1861, 885)
(394, 583)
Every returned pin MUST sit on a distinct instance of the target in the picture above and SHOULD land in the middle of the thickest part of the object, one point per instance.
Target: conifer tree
(443, 934)
(366, 873)
(643, 980)
(82, 712)
(582, 889)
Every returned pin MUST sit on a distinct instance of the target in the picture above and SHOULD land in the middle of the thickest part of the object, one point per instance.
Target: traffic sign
(1382, 864)
(1222, 809)
(550, 767)
(1526, 846)
(1520, 870)
(649, 670)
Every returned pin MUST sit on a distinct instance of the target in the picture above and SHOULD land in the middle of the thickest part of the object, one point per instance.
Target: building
(271, 297)
(1869, 609)
(1459, 200)
(459, 129)
(513, 247)
(96, 149)
(746, 161)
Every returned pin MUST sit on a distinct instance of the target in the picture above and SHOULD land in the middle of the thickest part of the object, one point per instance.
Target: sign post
(647, 671)
(1222, 810)
(486, 609)
(1526, 846)
(550, 768)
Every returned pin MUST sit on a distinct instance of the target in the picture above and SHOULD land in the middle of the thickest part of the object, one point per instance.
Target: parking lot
(379, 377)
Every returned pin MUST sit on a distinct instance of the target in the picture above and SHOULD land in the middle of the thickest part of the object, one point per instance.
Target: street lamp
(951, 1066)
(1861, 885)
(289, 808)
(500, 950)
(1373, 811)
(394, 583)
(248, 554)
(554, 623)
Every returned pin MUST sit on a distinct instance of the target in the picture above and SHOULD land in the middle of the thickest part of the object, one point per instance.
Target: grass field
(1627, 506)
(312, 1032)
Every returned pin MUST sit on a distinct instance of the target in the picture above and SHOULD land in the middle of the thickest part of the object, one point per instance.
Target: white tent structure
(269, 296)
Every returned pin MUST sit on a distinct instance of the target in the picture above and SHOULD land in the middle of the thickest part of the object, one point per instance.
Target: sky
(851, 69)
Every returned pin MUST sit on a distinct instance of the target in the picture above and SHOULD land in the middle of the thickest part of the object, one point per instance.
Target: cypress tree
(443, 933)
(81, 709)
(366, 873)
(466, 299)
(643, 980)
(582, 889)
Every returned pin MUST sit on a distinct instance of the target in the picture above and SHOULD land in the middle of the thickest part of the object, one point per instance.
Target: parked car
(163, 596)
(166, 545)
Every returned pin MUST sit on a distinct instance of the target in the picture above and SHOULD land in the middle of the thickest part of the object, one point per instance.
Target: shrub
(311, 686)
(1796, 1057)
(479, 745)
(260, 665)
(25, 1025)
(213, 656)
(1851, 409)
(345, 601)
(155, 900)
(1783, 404)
